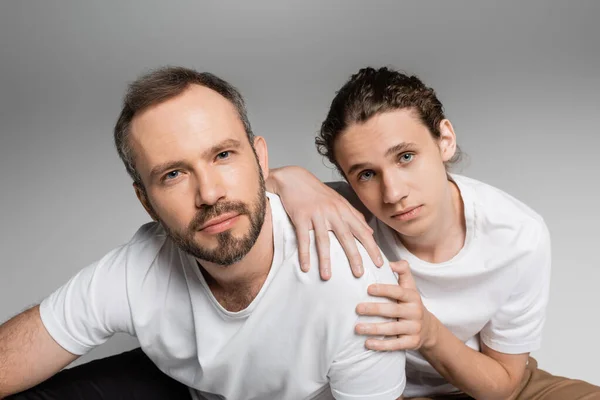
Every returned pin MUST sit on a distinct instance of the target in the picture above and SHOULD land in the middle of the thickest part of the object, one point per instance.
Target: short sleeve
(360, 373)
(517, 326)
(91, 307)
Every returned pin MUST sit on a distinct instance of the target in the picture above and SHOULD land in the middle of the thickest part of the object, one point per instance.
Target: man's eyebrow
(162, 168)
(224, 145)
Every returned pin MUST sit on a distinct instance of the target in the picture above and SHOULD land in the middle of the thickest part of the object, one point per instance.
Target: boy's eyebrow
(400, 147)
(358, 166)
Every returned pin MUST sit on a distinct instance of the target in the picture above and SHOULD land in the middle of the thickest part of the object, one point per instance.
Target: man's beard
(230, 249)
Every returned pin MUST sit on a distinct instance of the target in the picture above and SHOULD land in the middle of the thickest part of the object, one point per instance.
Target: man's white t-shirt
(295, 340)
(494, 290)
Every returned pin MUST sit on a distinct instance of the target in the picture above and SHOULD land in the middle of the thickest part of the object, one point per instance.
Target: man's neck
(235, 286)
(448, 238)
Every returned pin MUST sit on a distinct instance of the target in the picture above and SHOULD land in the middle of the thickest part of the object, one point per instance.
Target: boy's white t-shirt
(295, 340)
(494, 290)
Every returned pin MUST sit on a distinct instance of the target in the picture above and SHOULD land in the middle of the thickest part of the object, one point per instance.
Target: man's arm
(80, 315)
(360, 373)
(357, 372)
(28, 354)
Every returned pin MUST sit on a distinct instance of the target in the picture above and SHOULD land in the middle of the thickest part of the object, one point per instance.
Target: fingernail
(379, 260)
(305, 267)
(363, 329)
(361, 309)
(373, 290)
(358, 268)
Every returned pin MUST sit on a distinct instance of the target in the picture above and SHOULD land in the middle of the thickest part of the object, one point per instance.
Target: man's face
(396, 168)
(202, 179)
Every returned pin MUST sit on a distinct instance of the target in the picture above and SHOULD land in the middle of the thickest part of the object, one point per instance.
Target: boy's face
(397, 169)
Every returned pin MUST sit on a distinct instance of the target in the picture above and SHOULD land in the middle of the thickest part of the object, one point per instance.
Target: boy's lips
(408, 213)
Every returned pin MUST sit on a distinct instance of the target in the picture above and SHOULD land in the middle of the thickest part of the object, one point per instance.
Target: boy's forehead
(383, 130)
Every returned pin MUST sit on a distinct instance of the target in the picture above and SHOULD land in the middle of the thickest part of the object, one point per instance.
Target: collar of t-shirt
(278, 217)
(395, 250)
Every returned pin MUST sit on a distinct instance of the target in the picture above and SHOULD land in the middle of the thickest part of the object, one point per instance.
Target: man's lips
(220, 221)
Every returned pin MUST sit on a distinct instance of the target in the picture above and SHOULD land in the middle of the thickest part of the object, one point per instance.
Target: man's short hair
(159, 86)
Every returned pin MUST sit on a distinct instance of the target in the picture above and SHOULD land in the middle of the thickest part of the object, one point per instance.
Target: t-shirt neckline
(274, 205)
(468, 200)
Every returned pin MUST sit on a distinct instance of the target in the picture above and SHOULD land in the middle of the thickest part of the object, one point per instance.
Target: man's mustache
(209, 212)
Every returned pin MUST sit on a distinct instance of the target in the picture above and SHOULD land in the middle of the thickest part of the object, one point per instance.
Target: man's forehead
(183, 128)
(195, 101)
(197, 111)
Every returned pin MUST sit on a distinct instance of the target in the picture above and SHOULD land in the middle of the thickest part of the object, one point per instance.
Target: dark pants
(127, 376)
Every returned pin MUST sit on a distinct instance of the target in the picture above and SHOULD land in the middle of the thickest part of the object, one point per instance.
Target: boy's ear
(447, 140)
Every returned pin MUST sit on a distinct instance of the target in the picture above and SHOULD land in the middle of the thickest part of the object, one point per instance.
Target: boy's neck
(448, 238)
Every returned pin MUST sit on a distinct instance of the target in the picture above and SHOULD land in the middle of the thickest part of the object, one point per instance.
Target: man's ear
(447, 140)
(260, 147)
(140, 192)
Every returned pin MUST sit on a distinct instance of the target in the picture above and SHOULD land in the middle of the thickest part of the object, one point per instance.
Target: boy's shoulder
(494, 204)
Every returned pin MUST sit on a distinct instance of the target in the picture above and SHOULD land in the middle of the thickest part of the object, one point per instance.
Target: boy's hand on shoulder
(414, 326)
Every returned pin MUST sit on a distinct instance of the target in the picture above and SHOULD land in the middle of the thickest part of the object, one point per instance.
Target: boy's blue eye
(366, 175)
(407, 157)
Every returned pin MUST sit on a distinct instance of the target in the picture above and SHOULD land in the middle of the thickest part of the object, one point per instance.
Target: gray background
(520, 82)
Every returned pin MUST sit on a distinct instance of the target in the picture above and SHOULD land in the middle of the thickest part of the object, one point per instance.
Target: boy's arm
(312, 205)
(515, 330)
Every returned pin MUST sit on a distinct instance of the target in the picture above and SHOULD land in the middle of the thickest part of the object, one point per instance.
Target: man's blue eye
(172, 175)
(223, 154)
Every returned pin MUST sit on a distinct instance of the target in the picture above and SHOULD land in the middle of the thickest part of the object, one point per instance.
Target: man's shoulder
(343, 284)
(140, 252)
(150, 231)
(149, 238)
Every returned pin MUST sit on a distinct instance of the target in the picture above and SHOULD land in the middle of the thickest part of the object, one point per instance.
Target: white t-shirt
(295, 340)
(495, 289)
